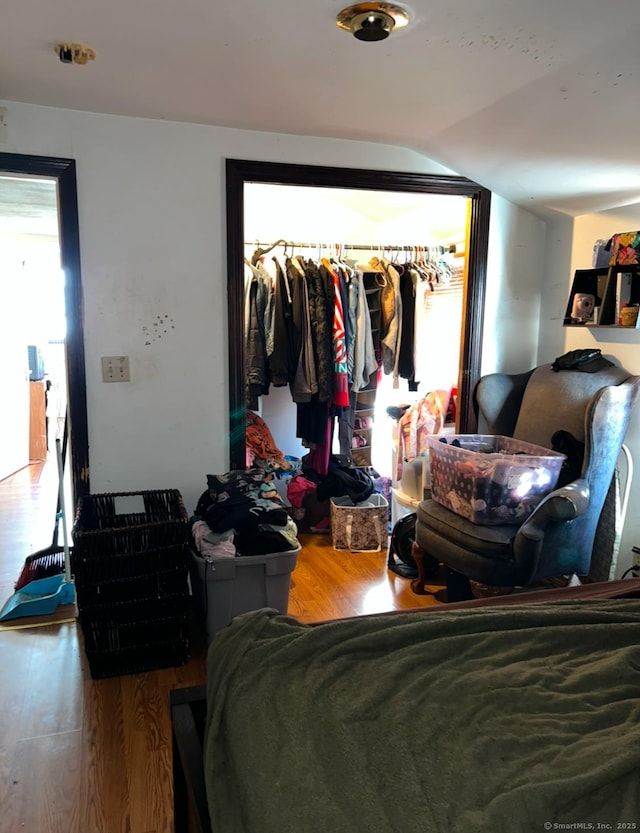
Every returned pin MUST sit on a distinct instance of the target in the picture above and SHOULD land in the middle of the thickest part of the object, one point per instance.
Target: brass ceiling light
(372, 21)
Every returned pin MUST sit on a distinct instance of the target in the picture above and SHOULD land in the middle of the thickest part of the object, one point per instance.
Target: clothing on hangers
(327, 330)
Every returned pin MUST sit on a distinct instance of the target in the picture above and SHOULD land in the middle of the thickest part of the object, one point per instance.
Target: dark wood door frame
(64, 172)
(239, 172)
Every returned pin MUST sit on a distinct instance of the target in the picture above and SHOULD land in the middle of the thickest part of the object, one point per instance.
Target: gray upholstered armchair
(592, 408)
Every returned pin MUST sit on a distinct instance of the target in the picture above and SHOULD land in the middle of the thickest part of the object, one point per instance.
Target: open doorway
(423, 237)
(33, 374)
(331, 580)
(240, 173)
(42, 343)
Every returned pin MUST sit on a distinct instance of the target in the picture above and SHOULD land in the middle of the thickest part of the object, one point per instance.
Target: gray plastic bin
(226, 587)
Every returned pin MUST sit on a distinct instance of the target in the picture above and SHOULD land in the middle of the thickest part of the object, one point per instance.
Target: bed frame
(188, 708)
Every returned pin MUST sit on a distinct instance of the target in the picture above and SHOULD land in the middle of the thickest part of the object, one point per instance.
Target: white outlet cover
(115, 369)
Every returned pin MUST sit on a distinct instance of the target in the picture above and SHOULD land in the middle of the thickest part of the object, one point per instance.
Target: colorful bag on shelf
(624, 248)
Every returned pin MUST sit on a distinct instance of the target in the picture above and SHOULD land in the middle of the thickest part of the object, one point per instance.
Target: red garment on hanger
(340, 369)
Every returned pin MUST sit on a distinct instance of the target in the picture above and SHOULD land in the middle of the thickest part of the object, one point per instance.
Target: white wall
(557, 281)
(152, 233)
(514, 287)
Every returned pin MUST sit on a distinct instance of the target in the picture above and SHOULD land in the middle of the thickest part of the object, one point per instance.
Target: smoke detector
(74, 53)
(372, 21)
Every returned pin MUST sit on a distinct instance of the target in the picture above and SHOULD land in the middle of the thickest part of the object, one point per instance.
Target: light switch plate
(115, 369)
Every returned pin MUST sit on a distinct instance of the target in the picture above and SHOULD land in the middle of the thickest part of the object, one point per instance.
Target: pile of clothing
(242, 514)
(262, 451)
(309, 492)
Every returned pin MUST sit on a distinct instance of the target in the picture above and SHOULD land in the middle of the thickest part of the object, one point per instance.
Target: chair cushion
(488, 541)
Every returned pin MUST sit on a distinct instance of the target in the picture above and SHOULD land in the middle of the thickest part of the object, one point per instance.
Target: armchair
(591, 408)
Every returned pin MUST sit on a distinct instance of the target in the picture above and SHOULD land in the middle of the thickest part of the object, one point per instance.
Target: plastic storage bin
(491, 479)
(225, 587)
(401, 505)
(130, 567)
(410, 482)
(360, 527)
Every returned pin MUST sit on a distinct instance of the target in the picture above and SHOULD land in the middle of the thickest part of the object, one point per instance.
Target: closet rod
(347, 246)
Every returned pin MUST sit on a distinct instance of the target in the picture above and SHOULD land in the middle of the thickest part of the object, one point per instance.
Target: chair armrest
(563, 504)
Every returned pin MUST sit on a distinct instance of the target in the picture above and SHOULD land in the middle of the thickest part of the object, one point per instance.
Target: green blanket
(516, 719)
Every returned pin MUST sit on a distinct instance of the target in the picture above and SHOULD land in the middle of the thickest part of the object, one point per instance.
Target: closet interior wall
(353, 221)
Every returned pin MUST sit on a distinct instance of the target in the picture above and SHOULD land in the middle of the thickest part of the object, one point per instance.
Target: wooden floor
(94, 756)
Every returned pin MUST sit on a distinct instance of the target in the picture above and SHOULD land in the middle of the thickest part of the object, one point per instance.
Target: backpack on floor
(402, 537)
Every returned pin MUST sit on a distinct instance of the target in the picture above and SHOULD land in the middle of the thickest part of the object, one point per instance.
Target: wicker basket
(157, 575)
(130, 637)
(100, 530)
(130, 567)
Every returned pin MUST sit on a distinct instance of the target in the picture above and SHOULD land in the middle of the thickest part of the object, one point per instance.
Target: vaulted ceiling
(537, 101)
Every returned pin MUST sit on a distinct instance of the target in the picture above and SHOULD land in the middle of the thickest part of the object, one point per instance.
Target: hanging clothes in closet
(258, 328)
(328, 329)
(391, 318)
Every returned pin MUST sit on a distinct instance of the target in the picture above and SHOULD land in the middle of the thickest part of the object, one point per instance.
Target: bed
(517, 714)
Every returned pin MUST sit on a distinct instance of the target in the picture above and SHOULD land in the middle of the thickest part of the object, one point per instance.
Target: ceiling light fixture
(74, 53)
(372, 21)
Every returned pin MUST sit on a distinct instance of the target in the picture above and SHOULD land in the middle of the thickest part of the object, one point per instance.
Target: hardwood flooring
(94, 756)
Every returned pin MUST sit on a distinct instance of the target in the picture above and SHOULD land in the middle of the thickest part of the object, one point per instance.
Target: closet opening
(380, 224)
